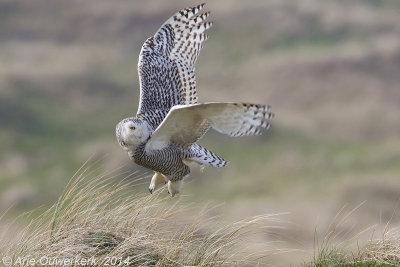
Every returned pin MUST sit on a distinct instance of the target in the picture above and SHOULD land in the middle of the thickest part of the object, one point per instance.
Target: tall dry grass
(381, 251)
(102, 216)
(384, 249)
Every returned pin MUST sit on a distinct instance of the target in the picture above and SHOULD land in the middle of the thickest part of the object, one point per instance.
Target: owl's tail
(204, 156)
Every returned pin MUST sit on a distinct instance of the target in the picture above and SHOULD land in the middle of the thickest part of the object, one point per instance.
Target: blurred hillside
(330, 69)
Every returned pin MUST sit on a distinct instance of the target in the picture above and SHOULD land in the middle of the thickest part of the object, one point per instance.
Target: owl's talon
(174, 187)
(157, 179)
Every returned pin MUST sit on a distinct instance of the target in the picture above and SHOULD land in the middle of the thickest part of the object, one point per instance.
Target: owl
(169, 121)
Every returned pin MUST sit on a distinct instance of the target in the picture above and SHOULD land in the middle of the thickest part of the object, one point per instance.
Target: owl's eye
(132, 128)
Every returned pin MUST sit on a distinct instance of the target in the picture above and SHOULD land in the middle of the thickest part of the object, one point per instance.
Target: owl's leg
(157, 179)
(174, 187)
(176, 180)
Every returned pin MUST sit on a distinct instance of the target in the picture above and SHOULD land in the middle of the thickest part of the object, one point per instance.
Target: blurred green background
(330, 69)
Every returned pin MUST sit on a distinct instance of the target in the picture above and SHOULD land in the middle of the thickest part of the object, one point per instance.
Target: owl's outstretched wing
(167, 64)
(186, 124)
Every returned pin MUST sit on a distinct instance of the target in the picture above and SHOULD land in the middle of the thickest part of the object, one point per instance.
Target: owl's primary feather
(169, 121)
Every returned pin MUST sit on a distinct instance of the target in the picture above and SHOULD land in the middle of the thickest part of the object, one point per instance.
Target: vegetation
(378, 252)
(98, 218)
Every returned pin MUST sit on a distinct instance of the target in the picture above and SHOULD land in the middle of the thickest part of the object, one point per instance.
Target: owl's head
(131, 132)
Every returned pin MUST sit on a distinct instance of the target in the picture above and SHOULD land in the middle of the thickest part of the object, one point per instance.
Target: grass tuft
(380, 252)
(384, 250)
(97, 216)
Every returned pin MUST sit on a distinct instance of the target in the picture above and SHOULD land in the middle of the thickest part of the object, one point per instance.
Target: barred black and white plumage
(167, 62)
(170, 121)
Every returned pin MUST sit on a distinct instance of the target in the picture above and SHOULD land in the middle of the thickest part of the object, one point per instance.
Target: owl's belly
(167, 161)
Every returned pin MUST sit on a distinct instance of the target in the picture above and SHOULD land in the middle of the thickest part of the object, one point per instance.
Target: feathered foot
(157, 179)
(174, 187)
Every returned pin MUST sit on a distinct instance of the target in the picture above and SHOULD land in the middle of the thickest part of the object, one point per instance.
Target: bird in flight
(169, 120)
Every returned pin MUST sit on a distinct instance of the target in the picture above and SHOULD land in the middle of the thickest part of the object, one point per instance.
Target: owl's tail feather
(204, 156)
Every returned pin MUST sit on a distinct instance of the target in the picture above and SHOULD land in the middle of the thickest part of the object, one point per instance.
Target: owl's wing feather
(167, 64)
(185, 124)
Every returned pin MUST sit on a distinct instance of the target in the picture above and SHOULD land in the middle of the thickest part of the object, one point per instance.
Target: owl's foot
(157, 179)
(174, 187)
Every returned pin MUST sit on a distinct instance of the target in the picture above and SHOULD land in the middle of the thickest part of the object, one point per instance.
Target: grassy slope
(96, 217)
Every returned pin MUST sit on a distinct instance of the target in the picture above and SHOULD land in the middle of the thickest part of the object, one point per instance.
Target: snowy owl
(169, 120)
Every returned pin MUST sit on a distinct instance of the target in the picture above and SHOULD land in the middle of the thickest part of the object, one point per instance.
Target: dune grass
(383, 251)
(100, 217)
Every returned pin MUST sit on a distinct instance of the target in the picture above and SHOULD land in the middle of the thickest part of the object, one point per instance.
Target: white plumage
(185, 124)
(169, 120)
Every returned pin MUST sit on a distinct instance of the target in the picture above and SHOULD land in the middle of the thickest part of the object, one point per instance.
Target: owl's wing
(185, 124)
(167, 64)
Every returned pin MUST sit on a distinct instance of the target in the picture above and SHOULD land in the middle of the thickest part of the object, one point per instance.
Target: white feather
(185, 124)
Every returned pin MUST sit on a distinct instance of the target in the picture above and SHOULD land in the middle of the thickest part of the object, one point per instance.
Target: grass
(98, 216)
(378, 252)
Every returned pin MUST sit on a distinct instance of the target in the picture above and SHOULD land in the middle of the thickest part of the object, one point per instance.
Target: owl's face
(132, 132)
